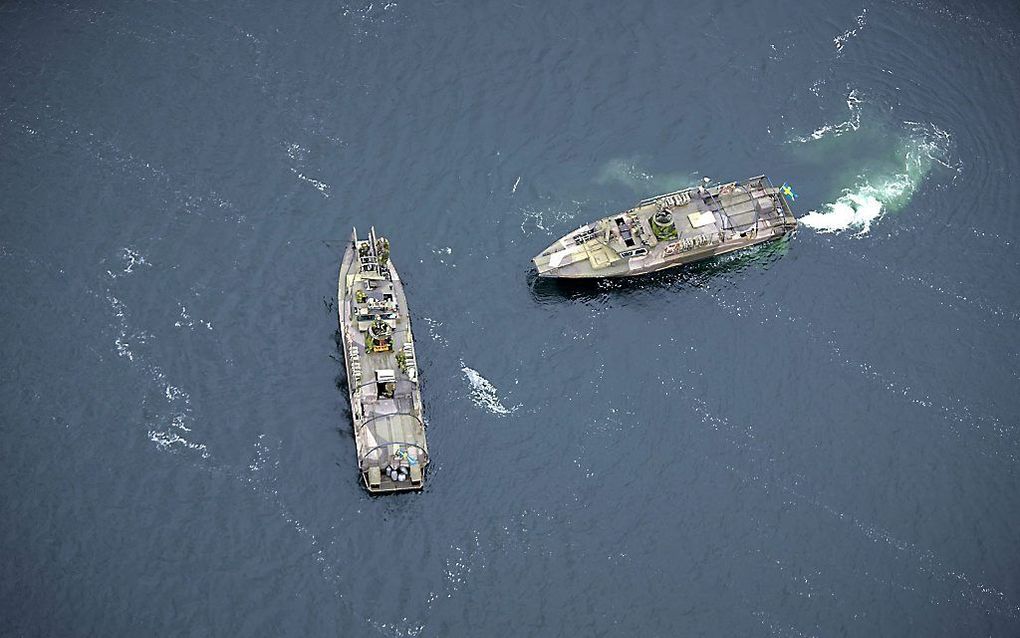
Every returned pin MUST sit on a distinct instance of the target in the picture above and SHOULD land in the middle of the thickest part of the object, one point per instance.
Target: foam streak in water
(547, 220)
(256, 479)
(56, 129)
(979, 595)
(840, 40)
(950, 295)
(952, 409)
(484, 394)
(168, 435)
(852, 123)
(298, 154)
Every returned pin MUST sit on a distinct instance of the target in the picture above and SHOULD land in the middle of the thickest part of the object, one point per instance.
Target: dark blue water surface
(815, 438)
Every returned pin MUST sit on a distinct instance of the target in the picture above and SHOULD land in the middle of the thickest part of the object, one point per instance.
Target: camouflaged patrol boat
(382, 371)
(668, 230)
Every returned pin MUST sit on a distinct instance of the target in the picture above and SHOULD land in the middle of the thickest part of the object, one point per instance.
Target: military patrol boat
(382, 371)
(668, 230)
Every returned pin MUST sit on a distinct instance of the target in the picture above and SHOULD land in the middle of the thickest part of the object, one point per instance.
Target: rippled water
(817, 437)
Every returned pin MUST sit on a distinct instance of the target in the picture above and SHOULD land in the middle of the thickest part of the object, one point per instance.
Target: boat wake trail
(298, 156)
(629, 172)
(840, 40)
(851, 124)
(949, 294)
(170, 430)
(172, 427)
(544, 220)
(956, 412)
(47, 128)
(525, 532)
(484, 394)
(264, 485)
(769, 478)
(170, 422)
(887, 187)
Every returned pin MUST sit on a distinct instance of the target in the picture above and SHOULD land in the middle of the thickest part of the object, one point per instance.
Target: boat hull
(671, 230)
(382, 374)
(666, 265)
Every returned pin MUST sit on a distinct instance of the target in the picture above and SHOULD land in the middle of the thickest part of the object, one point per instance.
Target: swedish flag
(787, 190)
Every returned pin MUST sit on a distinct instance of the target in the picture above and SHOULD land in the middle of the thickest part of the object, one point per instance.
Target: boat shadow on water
(721, 270)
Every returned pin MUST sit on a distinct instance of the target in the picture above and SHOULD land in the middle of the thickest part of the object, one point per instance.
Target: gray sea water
(817, 438)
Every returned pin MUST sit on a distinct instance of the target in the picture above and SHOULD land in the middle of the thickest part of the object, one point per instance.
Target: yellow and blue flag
(787, 190)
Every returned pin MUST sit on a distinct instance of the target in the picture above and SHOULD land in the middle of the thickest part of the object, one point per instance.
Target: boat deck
(704, 222)
(390, 420)
(389, 427)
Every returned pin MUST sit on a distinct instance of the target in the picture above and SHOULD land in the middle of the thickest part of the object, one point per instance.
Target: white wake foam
(166, 435)
(169, 430)
(484, 394)
(852, 123)
(299, 155)
(545, 220)
(858, 207)
(840, 40)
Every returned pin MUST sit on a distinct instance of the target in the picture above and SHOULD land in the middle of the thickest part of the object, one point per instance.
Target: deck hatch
(701, 219)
